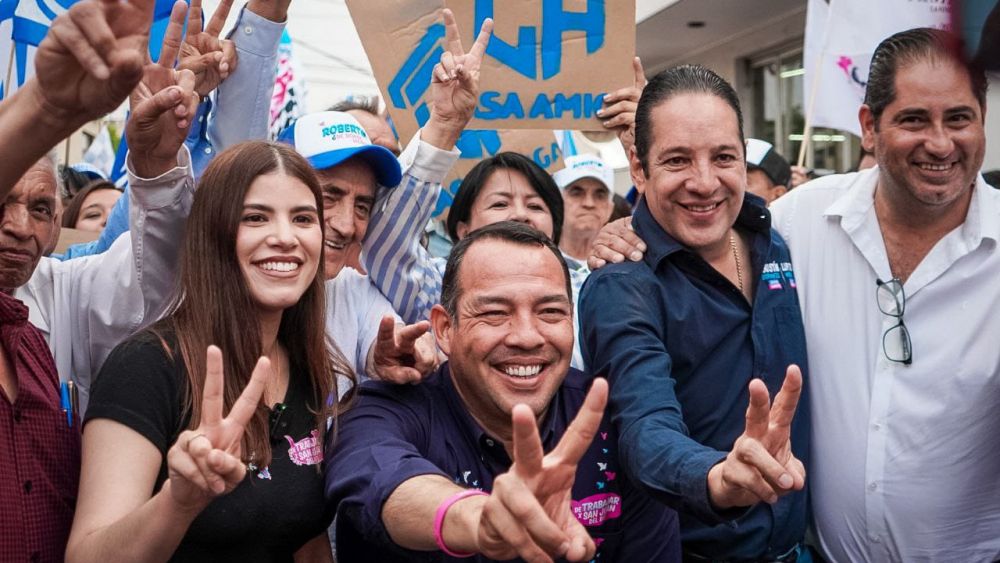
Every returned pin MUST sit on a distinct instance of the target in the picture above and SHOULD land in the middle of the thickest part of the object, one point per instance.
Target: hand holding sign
(162, 105)
(761, 466)
(529, 513)
(210, 59)
(619, 108)
(455, 85)
(206, 462)
(92, 58)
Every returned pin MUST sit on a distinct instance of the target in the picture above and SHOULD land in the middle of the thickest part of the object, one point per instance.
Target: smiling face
(930, 141)
(588, 206)
(696, 170)
(348, 200)
(95, 209)
(279, 241)
(507, 195)
(512, 336)
(27, 225)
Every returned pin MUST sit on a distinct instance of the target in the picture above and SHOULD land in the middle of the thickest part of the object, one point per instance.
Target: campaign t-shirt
(275, 510)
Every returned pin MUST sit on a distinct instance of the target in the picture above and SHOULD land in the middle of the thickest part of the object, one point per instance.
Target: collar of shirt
(13, 319)
(753, 216)
(549, 429)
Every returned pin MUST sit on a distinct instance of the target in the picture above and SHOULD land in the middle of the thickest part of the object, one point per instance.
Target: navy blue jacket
(679, 344)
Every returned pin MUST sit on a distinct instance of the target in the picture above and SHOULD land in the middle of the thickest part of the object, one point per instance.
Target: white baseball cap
(328, 138)
(585, 166)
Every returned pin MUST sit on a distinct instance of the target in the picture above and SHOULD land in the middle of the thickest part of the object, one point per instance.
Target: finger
(785, 403)
(145, 7)
(386, 332)
(524, 507)
(511, 532)
(451, 35)
(797, 470)
(620, 120)
(194, 19)
(407, 335)
(440, 74)
(528, 451)
(758, 412)
(182, 465)
(482, 41)
(71, 38)
(229, 468)
(186, 80)
(582, 430)
(219, 18)
(401, 375)
(91, 21)
(249, 399)
(425, 354)
(622, 94)
(624, 106)
(199, 447)
(211, 402)
(581, 546)
(640, 75)
(448, 64)
(606, 254)
(229, 57)
(747, 479)
(596, 263)
(753, 453)
(172, 37)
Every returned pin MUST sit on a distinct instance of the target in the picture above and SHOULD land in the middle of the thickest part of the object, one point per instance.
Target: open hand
(616, 241)
(206, 462)
(529, 512)
(455, 82)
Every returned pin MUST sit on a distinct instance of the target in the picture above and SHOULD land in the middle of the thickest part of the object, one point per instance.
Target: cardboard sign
(547, 66)
(538, 145)
(68, 237)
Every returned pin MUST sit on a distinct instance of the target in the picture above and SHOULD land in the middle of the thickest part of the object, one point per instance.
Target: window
(778, 115)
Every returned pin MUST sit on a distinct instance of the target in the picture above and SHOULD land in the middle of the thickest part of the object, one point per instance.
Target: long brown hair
(213, 304)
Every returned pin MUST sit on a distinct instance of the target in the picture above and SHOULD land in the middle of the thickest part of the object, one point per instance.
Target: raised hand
(614, 242)
(619, 108)
(529, 513)
(211, 59)
(206, 462)
(92, 58)
(403, 354)
(761, 466)
(455, 84)
(162, 105)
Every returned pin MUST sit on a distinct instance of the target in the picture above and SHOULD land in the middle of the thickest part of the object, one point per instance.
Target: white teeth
(522, 371)
(935, 167)
(335, 245)
(279, 266)
(702, 208)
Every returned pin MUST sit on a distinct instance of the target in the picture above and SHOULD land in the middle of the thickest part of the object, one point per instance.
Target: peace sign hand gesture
(162, 105)
(211, 59)
(92, 58)
(206, 462)
(529, 512)
(455, 82)
(761, 466)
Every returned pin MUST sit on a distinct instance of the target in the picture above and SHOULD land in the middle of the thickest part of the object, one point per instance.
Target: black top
(396, 432)
(275, 510)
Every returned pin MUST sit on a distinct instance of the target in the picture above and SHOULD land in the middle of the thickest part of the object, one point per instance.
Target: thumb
(150, 109)
(126, 72)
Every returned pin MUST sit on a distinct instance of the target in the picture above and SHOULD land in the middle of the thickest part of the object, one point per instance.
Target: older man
(897, 274)
(39, 431)
(455, 465)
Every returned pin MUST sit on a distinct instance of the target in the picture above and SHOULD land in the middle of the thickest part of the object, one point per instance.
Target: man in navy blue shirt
(706, 324)
(455, 467)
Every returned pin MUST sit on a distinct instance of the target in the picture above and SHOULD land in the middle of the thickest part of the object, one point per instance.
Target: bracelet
(439, 519)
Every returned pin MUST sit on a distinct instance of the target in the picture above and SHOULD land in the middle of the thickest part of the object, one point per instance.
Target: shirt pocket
(56, 447)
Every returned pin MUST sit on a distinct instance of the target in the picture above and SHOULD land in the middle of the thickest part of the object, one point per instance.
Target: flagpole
(10, 67)
(817, 73)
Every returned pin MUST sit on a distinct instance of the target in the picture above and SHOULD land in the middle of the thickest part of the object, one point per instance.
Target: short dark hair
(905, 48)
(505, 231)
(684, 79)
(992, 178)
(473, 182)
(362, 103)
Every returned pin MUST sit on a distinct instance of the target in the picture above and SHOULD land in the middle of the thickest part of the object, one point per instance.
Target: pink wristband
(439, 519)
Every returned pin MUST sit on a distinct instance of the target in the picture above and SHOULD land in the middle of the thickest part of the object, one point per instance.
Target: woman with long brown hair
(178, 463)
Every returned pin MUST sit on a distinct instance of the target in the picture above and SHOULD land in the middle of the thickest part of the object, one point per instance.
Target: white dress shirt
(905, 458)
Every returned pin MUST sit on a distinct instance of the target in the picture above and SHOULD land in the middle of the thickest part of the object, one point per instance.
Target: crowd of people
(260, 360)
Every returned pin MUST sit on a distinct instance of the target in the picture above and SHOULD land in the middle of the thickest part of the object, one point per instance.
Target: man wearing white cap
(587, 185)
(768, 173)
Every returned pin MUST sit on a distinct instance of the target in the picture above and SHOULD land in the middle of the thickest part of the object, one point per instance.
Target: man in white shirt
(897, 271)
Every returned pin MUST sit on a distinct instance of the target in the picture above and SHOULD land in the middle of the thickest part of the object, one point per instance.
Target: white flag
(288, 99)
(101, 152)
(841, 36)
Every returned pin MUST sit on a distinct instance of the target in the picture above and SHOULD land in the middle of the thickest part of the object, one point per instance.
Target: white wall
(992, 161)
